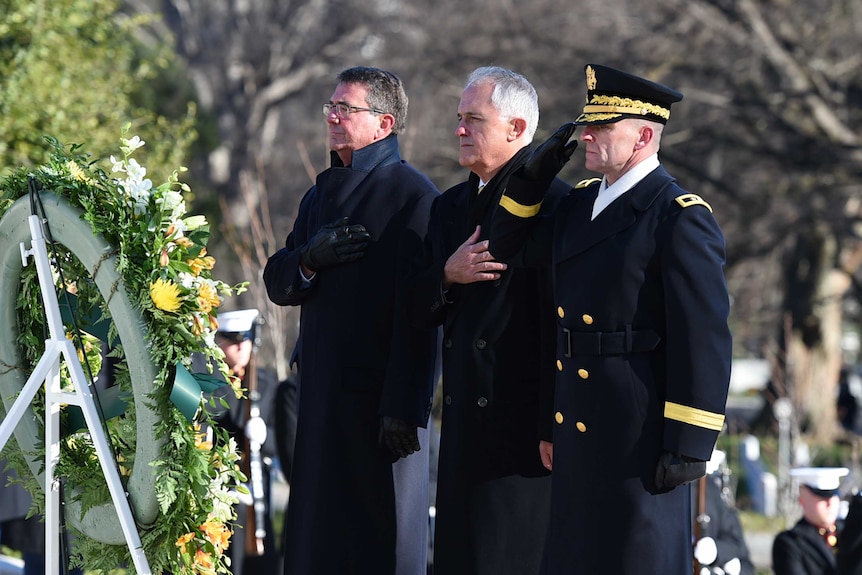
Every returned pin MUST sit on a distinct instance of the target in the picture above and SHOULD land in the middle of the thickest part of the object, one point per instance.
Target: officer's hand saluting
(550, 157)
(334, 244)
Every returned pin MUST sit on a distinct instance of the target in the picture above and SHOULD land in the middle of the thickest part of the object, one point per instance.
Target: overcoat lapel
(335, 194)
(456, 227)
(622, 213)
(477, 209)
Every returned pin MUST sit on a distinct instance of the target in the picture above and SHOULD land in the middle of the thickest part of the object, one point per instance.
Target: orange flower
(185, 539)
(197, 324)
(217, 533)
(203, 563)
(208, 298)
(164, 260)
(184, 242)
(200, 264)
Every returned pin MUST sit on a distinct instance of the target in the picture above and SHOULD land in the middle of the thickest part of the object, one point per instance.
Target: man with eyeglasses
(359, 493)
(493, 492)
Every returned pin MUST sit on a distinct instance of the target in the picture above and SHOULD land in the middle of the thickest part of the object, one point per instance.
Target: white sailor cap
(822, 481)
(237, 325)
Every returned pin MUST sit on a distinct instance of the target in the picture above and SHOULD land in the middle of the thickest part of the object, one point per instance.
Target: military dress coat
(497, 352)
(643, 364)
(802, 550)
(357, 359)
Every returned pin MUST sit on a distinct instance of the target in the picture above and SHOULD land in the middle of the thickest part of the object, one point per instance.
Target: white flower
(131, 145)
(135, 170)
(194, 222)
(187, 280)
(118, 165)
(172, 201)
(179, 227)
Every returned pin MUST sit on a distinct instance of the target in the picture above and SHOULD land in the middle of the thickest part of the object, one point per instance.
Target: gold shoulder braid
(688, 200)
(587, 182)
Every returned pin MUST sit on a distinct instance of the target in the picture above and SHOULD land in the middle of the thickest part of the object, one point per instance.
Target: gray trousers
(412, 498)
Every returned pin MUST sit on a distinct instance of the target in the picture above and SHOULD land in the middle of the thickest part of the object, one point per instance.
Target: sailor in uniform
(810, 546)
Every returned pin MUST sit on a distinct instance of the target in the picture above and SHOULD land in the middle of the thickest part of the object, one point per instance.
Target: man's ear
(387, 122)
(517, 128)
(646, 136)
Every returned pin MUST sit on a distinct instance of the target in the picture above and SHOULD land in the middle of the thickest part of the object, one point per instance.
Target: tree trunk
(815, 291)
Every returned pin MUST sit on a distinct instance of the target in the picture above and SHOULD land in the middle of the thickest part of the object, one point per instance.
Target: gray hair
(513, 95)
(385, 92)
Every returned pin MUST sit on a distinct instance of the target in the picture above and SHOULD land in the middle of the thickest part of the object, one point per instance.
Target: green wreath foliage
(161, 257)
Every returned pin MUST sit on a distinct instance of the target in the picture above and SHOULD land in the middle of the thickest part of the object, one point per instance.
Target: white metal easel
(47, 371)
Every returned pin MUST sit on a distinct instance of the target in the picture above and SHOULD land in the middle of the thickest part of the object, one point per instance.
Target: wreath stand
(47, 371)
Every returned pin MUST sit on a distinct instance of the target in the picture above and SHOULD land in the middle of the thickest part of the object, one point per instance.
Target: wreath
(162, 267)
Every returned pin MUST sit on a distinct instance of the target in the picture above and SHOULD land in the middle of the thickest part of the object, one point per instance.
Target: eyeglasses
(343, 110)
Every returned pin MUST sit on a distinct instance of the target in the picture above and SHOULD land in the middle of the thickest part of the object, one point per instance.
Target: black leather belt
(609, 343)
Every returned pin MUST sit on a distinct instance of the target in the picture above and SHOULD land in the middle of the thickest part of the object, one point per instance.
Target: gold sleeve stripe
(693, 416)
(687, 200)
(519, 210)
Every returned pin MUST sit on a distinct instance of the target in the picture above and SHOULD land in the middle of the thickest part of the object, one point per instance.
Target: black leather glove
(549, 158)
(400, 437)
(674, 469)
(334, 244)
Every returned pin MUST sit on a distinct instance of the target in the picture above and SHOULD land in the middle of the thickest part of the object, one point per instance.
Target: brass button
(561, 312)
(583, 373)
(581, 427)
(588, 319)
(558, 417)
(483, 402)
(559, 365)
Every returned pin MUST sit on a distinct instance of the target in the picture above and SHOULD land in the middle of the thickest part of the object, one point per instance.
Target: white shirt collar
(607, 194)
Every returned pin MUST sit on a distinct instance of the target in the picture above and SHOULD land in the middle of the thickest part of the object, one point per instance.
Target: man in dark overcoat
(493, 493)
(366, 376)
(643, 345)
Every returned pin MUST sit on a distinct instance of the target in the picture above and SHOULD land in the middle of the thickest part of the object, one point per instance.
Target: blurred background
(768, 133)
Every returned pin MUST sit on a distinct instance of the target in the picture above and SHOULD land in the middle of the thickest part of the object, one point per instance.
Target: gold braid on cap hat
(617, 105)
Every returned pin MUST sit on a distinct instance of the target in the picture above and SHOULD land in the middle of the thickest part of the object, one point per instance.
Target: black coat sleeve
(281, 275)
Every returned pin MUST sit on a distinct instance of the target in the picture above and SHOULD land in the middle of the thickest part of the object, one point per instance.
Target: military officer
(643, 345)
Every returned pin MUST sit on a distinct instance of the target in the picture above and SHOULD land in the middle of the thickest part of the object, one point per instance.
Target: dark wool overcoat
(802, 550)
(358, 359)
(643, 360)
(497, 351)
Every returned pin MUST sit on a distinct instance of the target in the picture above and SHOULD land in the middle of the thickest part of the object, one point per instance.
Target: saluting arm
(516, 219)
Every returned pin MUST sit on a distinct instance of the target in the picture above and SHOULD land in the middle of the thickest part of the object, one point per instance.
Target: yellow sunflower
(165, 295)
